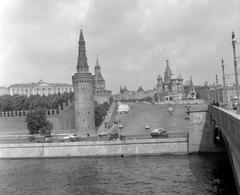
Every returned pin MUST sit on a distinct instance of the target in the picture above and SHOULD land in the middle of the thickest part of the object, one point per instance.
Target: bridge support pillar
(201, 134)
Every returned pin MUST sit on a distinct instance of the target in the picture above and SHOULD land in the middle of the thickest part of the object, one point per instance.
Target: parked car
(72, 138)
(159, 133)
(147, 127)
(115, 136)
(120, 126)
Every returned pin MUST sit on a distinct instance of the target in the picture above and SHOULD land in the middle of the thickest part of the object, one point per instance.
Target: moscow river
(166, 174)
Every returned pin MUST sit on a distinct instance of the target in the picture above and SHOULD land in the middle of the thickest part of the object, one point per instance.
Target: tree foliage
(100, 112)
(37, 123)
(33, 102)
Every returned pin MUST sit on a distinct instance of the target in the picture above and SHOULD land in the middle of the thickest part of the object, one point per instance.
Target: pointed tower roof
(125, 89)
(98, 75)
(82, 65)
(97, 62)
(81, 38)
(168, 73)
(159, 78)
(140, 89)
(191, 83)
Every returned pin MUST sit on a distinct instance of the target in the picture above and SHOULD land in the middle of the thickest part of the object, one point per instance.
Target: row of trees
(33, 102)
(100, 112)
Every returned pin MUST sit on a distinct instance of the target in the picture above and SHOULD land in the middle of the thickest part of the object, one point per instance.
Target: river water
(165, 174)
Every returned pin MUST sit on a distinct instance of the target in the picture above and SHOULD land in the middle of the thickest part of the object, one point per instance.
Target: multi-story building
(4, 91)
(140, 94)
(39, 88)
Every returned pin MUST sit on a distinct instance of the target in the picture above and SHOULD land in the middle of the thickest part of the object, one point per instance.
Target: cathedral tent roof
(140, 89)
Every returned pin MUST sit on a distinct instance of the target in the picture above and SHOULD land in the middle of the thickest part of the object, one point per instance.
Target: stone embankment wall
(196, 101)
(13, 122)
(97, 148)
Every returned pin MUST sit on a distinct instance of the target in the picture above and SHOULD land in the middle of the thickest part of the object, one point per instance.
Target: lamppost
(224, 85)
(235, 69)
(118, 125)
(217, 92)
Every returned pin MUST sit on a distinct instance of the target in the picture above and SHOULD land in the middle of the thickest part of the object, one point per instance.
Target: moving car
(159, 133)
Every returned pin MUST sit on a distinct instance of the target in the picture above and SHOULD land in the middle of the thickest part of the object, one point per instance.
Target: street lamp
(224, 85)
(118, 125)
(217, 94)
(235, 68)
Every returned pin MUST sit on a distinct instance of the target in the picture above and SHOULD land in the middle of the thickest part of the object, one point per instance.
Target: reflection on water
(168, 174)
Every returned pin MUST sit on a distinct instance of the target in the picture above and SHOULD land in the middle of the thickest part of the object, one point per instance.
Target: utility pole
(224, 84)
(217, 94)
(235, 66)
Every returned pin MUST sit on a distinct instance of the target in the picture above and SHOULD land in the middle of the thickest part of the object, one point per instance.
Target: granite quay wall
(96, 148)
(196, 101)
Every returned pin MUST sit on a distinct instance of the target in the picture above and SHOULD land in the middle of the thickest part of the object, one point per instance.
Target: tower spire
(98, 74)
(81, 38)
(168, 73)
(97, 62)
(82, 65)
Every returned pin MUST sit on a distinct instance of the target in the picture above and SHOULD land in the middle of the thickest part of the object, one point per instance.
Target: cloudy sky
(133, 38)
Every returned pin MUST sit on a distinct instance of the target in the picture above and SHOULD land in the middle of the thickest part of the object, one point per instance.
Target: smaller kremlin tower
(99, 82)
(83, 83)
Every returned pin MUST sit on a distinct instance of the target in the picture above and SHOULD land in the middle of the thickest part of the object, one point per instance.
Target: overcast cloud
(133, 38)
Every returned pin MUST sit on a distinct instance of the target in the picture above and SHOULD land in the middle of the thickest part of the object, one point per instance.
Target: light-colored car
(72, 138)
(120, 126)
(159, 133)
(147, 127)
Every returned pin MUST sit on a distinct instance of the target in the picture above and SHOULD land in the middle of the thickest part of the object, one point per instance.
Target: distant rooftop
(40, 83)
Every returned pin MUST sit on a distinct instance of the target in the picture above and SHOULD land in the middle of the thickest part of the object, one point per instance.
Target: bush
(37, 123)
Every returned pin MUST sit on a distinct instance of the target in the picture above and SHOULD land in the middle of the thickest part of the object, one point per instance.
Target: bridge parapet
(229, 124)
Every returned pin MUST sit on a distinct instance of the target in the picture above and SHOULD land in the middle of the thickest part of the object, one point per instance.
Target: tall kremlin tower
(83, 84)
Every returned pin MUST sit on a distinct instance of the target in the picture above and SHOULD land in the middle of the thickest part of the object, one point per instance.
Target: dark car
(159, 133)
(115, 136)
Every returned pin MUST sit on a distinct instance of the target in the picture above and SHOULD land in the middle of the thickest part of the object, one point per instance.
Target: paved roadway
(141, 114)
